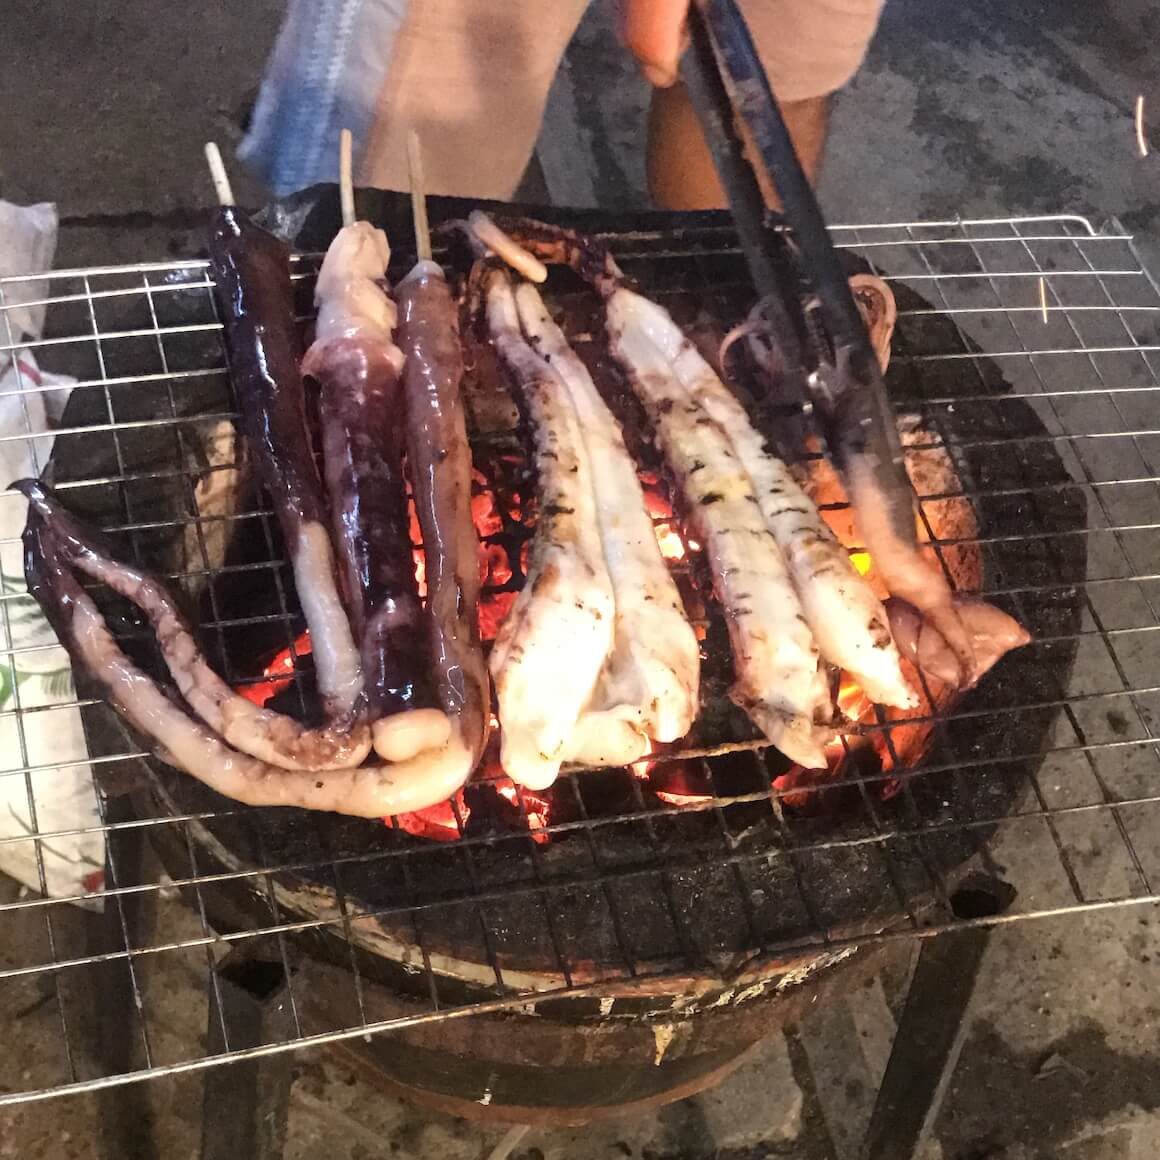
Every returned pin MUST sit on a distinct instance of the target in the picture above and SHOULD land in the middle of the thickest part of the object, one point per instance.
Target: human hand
(653, 31)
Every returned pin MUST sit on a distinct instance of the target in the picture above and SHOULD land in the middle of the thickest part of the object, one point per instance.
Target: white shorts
(473, 77)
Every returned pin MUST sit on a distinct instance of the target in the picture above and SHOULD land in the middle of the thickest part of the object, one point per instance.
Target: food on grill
(251, 271)
(364, 791)
(843, 613)
(651, 680)
(358, 367)
(875, 302)
(991, 631)
(779, 680)
(863, 445)
(272, 737)
(439, 459)
(549, 652)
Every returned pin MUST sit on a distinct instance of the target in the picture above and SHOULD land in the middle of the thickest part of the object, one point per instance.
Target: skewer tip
(218, 174)
(418, 197)
(346, 176)
(506, 247)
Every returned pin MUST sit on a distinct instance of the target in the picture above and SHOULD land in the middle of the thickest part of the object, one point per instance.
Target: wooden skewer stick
(346, 177)
(1043, 296)
(1141, 140)
(218, 175)
(418, 198)
(507, 248)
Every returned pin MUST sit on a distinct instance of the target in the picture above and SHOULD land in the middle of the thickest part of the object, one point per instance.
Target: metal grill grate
(1064, 315)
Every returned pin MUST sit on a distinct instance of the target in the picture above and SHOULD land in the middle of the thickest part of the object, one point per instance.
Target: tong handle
(753, 100)
(859, 378)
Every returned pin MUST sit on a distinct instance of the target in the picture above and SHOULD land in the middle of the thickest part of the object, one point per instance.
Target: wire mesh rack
(1045, 316)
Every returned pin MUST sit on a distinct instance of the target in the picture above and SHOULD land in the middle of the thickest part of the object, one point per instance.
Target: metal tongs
(834, 359)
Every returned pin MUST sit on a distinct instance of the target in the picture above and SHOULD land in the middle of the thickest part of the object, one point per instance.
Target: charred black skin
(252, 273)
(251, 268)
(361, 405)
(440, 464)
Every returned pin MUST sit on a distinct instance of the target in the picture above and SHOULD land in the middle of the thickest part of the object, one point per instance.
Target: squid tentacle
(187, 744)
(262, 733)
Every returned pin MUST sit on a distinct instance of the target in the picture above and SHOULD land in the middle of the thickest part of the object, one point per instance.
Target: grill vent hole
(981, 896)
(259, 978)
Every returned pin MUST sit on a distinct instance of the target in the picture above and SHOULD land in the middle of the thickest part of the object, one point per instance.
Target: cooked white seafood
(550, 650)
(651, 679)
(847, 619)
(779, 680)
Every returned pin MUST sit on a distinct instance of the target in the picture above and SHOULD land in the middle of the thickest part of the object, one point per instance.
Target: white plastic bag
(57, 797)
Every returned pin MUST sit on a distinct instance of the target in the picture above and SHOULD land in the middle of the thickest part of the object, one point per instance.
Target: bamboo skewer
(418, 198)
(1141, 140)
(346, 177)
(507, 248)
(218, 174)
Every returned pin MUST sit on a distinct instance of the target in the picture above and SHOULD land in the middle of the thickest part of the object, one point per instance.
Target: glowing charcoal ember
(417, 550)
(669, 542)
(493, 608)
(681, 783)
(657, 503)
(440, 823)
(534, 809)
(277, 674)
(497, 568)
(488, 521)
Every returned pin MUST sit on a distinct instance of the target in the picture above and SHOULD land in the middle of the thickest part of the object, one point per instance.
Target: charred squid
(951, 637)
(187, 744)
(358, 367)
(251, 270)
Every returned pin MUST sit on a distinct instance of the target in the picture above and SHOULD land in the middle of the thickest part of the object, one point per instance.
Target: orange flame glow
(535, 808)
(277, 674)
(436, 823)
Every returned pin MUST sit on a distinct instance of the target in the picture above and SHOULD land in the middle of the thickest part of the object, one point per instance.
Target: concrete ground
(980, 110)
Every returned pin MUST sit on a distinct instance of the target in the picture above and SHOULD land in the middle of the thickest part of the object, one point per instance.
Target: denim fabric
(325, 74)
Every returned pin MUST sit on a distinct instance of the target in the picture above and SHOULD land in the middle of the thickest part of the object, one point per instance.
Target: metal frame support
(245, 1104)
(930, 1030)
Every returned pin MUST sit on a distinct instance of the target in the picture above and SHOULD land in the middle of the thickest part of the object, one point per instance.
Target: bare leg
(680, 167)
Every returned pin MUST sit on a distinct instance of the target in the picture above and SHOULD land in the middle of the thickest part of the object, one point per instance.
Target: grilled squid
(862, 444)
(440, 465)
(252, 275)
(358, 366)
(651, 679)
(550, 650)
(779, 680)
(846, 618)
(188, 745)
(272, 737)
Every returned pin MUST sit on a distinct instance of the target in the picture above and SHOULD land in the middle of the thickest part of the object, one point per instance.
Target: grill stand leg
(929, 1036)
(245, 1104)
(113, 1035)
